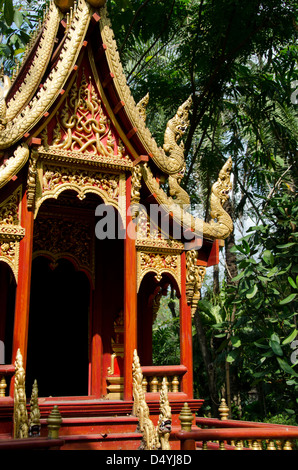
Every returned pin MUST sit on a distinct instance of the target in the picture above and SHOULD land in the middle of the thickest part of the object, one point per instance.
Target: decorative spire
(66, 5)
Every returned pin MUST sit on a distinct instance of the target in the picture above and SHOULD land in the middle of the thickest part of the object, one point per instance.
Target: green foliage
(166, 334)
(17, 20)
(265, 298)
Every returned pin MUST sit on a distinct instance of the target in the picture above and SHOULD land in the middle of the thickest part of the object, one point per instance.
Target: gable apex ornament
(66, 5)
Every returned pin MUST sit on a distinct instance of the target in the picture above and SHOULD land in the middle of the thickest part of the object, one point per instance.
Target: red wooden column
(95, 388)
(186, 354)
(21, 321)
(130, 297)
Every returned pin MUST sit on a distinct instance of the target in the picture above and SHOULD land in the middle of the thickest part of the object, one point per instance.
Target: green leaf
(252, 292)
(291, 337)
(287, 299)
(260, 345)
(276, 348)
(231, 356)
(8, 12)
(236, 342)
(292, 282)
(286, 367)
(238, 277)
(18, 18)
(286, 245)
(268, 257)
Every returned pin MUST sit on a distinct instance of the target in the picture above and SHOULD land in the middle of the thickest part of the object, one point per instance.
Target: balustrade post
(54, 422)
(3, 386)
(223, 410)
(186, 419)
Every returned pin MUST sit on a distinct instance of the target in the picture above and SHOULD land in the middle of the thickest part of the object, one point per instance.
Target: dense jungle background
(238, 61)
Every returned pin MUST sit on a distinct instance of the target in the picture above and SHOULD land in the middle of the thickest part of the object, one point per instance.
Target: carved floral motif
(83, 126)
(60, 237)
(10, 230)
(158, 263)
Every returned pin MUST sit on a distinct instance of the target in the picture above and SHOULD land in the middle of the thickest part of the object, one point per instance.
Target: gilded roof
(41, 80)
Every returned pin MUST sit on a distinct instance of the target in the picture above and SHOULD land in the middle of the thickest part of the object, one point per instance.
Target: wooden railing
(227, 434)
(6, 370)
(153, 377)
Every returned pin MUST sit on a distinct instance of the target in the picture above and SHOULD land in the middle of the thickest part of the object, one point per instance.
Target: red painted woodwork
(189, 438)
(96, 332)
(36, 443)
(185, 334)
(160, 371)
(130, 299)
(20, 339)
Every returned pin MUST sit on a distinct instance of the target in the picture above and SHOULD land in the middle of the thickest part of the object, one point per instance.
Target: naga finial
(176, 128)
(142, 105)
(66, 5)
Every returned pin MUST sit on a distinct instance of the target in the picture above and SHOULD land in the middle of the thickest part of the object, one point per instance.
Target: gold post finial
(223, 410)
(186, 418)
(54, 422)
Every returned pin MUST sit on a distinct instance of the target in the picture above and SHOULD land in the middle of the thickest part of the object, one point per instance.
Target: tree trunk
(230, 257)
(216, 288)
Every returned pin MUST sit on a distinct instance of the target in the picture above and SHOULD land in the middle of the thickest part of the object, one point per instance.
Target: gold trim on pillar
(195, 275)
(11, 231)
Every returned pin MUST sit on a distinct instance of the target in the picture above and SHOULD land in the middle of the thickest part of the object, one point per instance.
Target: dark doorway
(58, 329)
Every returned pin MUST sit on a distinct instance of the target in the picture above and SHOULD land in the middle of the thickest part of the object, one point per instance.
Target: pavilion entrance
(75, 302)
(58, 329)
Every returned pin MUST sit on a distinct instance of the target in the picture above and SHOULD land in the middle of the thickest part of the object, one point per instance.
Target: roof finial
(66, 5)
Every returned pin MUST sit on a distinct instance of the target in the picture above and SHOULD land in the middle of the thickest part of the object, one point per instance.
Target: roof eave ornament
(66, 5)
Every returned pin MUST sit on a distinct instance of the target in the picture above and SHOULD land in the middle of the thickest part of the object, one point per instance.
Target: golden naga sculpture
(164, 425)
(220, 227)
(153, 437)
(176, 128)
(21, 428)
(142, 105)
(194, 279)
(34, 420)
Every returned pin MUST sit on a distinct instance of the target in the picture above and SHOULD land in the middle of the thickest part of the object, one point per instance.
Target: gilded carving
(53, 179)
(175, 129)
(30, 114)
(164, 425)
(10, 230)
(172, 165)
(82, 125)
(36, 70)
(141, 410)
(34, 419)
(153, 437)
(221, 225)
(142, 105)
(31, 181)
(60, 237)
(158, 263)
(136, 177)
(20, 416)
(13, 164)
(194, 279)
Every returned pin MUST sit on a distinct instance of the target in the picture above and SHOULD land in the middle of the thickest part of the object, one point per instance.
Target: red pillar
(186, 354)
(21, 321)
(96, 332)
(130, 298)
